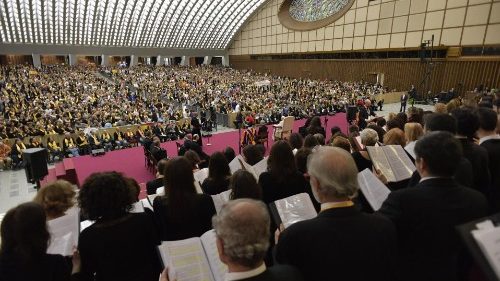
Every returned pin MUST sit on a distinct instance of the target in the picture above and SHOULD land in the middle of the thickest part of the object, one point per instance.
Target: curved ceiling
(179, 24)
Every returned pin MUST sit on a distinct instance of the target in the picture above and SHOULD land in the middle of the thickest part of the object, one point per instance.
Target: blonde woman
(413, 131)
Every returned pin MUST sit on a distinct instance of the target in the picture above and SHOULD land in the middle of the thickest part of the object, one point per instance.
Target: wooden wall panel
(16, 59)
(48, 60)
(461, 74)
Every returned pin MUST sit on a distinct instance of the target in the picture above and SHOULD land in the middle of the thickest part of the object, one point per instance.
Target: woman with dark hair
(296, 141)
(229, 154)
(303, 130)
(281, 178)
(310, 142)
(119, 245)
(182, 213)
(194, 159)
(252, 154)
(218, 175)
(244, 185)
(315, 127)
(23, 253)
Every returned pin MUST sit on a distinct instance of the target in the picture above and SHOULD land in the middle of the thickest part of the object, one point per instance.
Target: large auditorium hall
(250, 140)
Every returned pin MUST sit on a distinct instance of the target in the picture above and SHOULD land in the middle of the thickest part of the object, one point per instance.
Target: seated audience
(55, 151)
(23, 252)
(157, 151)
(361, 246)
(56, 198)
(182, 213)
(16, 153)
(5, 160)
(252, 154)
(244, 185)
(218, 175)
(341, 142)
(490, 140)
(119, 245)
(281, 178)
(69, 146)
(153, 185)
(426, 216)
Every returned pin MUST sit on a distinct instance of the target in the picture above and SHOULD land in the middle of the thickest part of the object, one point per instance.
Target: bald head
(243, 227)
(333, 173)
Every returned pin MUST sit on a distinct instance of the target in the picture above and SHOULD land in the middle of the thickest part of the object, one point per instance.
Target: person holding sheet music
(426, 216)
(242, 231)
(369, 137)
(119, 245)
(252, 154)
(182, 213)
(56, 198)
(218, 175)
(281, 178)
(341, 243)
(25, 239)
(444, 122)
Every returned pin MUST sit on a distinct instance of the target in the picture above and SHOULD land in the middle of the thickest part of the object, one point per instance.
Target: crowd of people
(58, 99)
(411, 237)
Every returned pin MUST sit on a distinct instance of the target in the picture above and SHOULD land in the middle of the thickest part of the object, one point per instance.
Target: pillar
(159, 60)
(185, 61)
(72, 59)
(36, 60)
(104, 60)
(207, 60)
(225, 60)
(134, 60)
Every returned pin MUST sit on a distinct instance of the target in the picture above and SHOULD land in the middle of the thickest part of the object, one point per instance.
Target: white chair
(283, 130)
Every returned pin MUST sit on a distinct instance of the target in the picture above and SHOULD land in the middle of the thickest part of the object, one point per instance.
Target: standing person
(403, 99)
(24, 245)
(362, 246)
(119, 245)
(195, 124)
(426, 215)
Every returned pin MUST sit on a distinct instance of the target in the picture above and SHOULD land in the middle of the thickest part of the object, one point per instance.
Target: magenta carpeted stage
(130, 161)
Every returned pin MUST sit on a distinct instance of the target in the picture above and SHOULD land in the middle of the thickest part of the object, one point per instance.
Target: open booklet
(221, 199)
(257, 169)
(193, 259)
(373, 189)
(292, 209)
(392, 161)
(64, 232)
(487, 238)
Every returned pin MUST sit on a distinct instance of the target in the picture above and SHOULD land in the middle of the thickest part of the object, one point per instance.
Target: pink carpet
(130, 161)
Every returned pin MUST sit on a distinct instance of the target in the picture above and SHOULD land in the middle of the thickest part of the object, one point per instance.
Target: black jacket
(340, 244)
(493, 148)
(277, 273)
(153, 185)
(48, 268)
(425, 217)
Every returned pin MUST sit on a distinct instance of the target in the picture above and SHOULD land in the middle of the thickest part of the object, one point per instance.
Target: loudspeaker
(35, 164)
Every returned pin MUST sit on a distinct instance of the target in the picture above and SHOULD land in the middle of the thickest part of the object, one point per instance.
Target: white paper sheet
(219, 269)
(137, 207)
(64, 233)
(374, 190)
(220, 199)
(488, 240)
(295, 208)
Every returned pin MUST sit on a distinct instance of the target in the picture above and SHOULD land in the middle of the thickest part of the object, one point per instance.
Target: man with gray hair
(242, 230)
(341, 243)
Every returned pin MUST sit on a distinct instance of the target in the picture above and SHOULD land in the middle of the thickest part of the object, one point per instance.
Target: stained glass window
(314, 10)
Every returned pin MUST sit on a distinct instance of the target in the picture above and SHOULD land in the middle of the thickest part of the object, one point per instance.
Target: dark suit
(478, 157)
(277, 273)
(152, 185)
(492, 146)
(463, 175)
(404, 99)
(425, 217)
(340, 244)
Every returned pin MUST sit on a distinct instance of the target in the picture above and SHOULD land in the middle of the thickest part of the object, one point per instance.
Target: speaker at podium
(35, 164)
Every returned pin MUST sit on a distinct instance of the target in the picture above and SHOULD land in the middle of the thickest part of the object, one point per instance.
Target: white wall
(378, 24)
